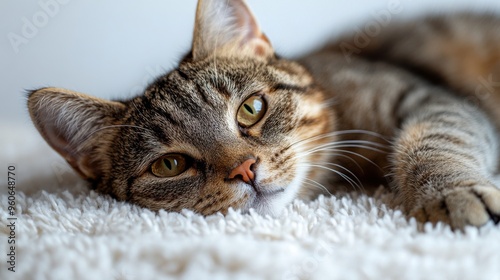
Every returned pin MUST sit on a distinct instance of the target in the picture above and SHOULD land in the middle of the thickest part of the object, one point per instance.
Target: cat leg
(444, 160)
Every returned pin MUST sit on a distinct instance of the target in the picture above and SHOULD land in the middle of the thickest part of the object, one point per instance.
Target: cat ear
(73, 124)
(228, 27)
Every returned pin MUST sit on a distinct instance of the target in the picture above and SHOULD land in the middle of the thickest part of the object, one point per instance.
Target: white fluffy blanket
(65, 231)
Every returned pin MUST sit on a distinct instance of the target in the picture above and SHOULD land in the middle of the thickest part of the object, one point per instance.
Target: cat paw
(473, 206)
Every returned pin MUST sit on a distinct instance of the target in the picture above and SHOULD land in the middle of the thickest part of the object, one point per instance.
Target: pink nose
(244, 171)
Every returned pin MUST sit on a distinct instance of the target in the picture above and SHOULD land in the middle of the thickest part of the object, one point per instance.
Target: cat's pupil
(249, 109)
(168, 164)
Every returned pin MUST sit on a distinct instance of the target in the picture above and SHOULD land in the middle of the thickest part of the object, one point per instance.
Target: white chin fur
(274, 205)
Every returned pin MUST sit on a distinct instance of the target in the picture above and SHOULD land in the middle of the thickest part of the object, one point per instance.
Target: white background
(112, 49)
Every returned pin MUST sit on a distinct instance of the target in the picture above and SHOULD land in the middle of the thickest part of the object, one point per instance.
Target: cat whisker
(344, 144)
(343, 168)
(353, 183)
(313, 183)
(330, 102)
(337, 152)
(362, 142)
(358, 146)
(346, 169)
(329, 153)
(337, 133)
(376, 144)
(358, 155)
(333, 146)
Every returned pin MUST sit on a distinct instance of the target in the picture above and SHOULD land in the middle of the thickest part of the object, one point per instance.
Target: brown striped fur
(416, 109)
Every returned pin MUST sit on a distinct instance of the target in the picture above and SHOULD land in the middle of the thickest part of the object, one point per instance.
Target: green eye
(251, 111)
(169, 165)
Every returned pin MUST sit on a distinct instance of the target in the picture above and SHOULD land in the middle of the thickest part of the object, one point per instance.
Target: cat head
(233, 125)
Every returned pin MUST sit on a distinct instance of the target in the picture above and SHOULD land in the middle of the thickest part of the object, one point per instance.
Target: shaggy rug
(63, 230)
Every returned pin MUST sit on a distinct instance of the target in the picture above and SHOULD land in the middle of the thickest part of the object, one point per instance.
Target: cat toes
(461, 207)
(490, 197)
(473, 206)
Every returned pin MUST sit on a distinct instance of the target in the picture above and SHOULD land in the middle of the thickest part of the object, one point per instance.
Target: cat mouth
(262, 193)
(265, 194)
(265, 202)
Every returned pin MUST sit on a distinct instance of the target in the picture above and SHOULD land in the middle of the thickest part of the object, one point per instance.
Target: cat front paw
(461, 207)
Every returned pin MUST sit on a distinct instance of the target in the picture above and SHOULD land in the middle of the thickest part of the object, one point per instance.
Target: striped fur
(431, 89)
(410, 110)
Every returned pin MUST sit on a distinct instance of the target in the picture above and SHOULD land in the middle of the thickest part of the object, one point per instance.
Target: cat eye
(170, 165)
(251, 111)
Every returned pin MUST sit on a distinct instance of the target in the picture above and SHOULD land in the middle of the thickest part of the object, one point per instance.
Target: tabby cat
(236, 125)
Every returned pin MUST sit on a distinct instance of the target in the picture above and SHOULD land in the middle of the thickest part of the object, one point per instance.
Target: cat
(236, 125)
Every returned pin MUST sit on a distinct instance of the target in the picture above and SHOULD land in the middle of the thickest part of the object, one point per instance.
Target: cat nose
(244, 170)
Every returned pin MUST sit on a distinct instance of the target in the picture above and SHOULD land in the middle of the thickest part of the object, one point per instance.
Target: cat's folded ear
(75, 125)
(228, 28)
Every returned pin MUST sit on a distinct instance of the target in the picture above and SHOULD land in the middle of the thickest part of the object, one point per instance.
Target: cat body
(235, 125)
(431, 88)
